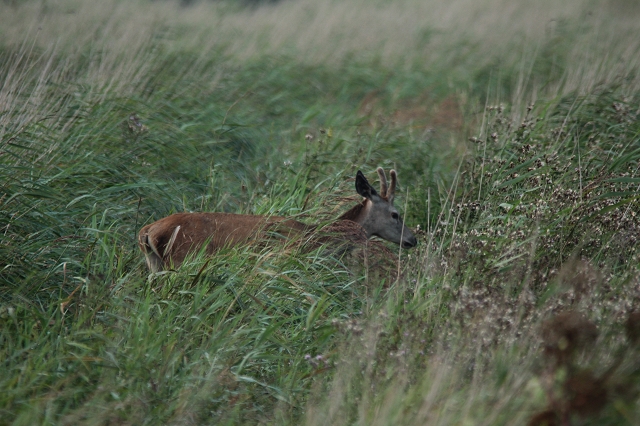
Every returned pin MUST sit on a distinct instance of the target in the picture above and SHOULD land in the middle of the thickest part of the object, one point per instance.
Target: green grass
(514, 129)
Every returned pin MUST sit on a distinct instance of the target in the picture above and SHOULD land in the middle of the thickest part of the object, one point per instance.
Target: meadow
(514, 127)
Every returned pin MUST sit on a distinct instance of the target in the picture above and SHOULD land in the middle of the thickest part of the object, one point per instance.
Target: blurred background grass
(514, 129)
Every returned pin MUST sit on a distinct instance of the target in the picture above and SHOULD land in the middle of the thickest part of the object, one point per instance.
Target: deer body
(169, 240)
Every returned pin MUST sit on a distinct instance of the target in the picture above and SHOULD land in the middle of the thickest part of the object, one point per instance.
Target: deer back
(169, 240)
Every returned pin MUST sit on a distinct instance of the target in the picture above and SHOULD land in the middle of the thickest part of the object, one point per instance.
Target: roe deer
(169, 240)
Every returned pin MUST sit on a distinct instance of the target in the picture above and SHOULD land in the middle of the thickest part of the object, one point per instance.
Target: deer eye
(395, 216)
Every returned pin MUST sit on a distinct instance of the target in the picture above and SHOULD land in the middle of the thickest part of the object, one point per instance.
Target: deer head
(377, 215)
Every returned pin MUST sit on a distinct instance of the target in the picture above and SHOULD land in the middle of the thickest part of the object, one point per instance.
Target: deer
(168, 241)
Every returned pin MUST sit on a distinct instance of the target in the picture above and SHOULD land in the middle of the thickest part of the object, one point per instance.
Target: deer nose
(409, 242)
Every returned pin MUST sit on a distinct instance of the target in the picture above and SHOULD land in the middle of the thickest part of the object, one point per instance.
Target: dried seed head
(587, 393)
(633, 327)
(580, 275)
(565, 333)
(545, 418)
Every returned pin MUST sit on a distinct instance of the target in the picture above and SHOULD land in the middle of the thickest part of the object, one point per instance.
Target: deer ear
(362, 186)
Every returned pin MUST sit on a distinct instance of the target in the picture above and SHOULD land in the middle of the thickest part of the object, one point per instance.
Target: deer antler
(383, 182)
(392, 189)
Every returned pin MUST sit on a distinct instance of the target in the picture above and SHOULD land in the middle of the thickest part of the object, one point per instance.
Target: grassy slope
(118, 114)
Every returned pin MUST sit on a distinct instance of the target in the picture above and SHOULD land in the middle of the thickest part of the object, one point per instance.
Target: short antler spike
(383, 182)
(392, 189)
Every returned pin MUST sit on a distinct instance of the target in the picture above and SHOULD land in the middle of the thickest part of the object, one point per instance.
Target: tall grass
(514, 128)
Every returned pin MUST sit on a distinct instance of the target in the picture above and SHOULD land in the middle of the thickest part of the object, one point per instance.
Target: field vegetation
(514, 127)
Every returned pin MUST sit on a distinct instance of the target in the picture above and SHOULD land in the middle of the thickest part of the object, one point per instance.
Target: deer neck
(358, 213)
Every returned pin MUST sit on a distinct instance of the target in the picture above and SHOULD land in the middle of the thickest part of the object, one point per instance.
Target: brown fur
(353, 213)
(215, 229)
